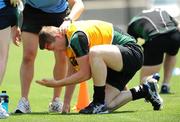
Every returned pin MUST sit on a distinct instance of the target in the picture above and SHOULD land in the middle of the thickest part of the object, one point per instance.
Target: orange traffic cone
(83, 97)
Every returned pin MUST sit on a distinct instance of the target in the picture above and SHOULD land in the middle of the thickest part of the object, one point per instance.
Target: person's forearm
(60, 68)
(74, 79)
(76, 10)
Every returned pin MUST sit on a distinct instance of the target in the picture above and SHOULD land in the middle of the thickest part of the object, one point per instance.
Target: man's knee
(29, 56)
(94, 53)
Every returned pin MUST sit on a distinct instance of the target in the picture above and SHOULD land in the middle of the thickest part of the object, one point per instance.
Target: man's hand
(16, 35)
(64, 26)
(15, 2)
(47, 82)
(66, 108)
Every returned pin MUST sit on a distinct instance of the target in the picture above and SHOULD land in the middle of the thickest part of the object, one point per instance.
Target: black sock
(137, 92)
(99, 94)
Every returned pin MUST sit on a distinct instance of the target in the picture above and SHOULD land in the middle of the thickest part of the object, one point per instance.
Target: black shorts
(155, 48)
(34, 19)
(8, 17)
(132, 56)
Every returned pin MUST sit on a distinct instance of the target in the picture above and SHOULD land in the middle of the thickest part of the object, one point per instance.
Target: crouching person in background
(162, 37)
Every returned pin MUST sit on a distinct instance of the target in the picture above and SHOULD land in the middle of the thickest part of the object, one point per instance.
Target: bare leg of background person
(30, 46)
(169, 63)
(4, 49)
(147, 71)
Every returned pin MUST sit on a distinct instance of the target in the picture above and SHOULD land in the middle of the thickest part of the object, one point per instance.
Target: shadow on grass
(32, 113)
(170, 93)
(48, 113)
(42, 113)
(122, 112)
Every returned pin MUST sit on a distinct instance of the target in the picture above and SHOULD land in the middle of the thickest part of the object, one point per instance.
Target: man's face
(57, 45)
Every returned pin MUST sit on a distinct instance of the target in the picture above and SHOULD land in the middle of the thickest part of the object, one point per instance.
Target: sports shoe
(94, 108)
(3, 113)
(165, 89)
(151, 91)
(23, 106)
(56, 106)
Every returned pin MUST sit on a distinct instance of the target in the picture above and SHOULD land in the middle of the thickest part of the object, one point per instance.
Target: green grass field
(40, 97)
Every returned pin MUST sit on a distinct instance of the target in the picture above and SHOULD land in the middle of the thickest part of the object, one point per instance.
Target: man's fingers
(40, 82)
(17, 42)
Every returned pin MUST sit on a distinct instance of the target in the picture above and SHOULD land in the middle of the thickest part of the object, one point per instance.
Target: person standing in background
(38, 13)
(8, 30)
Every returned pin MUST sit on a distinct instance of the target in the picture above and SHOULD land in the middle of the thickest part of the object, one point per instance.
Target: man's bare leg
(169, 64)
(147, 71)
(4, 49)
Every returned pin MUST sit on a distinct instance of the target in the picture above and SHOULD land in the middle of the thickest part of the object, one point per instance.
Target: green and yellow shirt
(82, 35)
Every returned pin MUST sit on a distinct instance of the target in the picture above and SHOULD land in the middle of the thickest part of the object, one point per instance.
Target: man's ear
(58, 35)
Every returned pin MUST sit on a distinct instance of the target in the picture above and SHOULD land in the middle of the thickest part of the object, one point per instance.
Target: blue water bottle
(4, 100)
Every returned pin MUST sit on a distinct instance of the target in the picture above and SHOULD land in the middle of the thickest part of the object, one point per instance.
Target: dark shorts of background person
(34, 19)
(155, 48)
(8, 17)
(132, 61)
